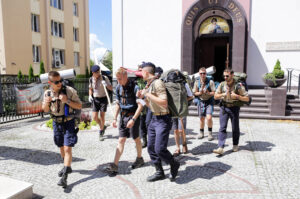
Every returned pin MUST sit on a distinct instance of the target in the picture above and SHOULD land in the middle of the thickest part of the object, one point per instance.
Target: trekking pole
(108, 98)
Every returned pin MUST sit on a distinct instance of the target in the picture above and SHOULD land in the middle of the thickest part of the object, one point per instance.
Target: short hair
(213, 20)
(121, 71)
(53, 74)
(149, 67)
(202, 68)
(228, 70)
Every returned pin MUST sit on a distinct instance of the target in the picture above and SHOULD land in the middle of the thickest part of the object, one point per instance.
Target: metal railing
(292, 76)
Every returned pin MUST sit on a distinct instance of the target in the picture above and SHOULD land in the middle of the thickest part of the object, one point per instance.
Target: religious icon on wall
(214, 25)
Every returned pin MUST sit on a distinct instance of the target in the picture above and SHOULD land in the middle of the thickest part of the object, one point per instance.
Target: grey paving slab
(266, 166)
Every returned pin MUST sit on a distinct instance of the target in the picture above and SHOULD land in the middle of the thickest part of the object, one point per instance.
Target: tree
(30, 74)
(92, 63)
(107, 60)
(42, 68)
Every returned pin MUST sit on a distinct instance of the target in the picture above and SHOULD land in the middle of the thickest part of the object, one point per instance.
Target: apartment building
(53, 31)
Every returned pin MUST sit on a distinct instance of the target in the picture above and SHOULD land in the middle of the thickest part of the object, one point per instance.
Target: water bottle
(66, 110)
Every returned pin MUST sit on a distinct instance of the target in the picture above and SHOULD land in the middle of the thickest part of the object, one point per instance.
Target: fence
(14, 109)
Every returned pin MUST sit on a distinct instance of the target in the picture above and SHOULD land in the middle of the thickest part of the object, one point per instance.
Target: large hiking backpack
(207, 87)
(177, 95)
(240, 79)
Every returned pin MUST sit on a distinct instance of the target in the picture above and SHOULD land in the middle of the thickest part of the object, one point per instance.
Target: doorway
(212, 50)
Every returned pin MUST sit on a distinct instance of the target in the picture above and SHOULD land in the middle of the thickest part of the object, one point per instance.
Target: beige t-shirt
(97, 86)
(224, 87)
(158, 89)
(204, 96)
(56, 106)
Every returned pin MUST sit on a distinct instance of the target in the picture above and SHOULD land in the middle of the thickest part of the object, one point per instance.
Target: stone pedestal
(15, 189)
(276, 99)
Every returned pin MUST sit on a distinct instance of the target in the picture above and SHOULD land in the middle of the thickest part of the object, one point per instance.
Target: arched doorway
(214, 32)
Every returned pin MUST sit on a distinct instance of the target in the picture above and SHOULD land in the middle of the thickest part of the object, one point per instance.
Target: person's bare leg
(209, 124)
(119, 150)
(102, 119)
(138, 144)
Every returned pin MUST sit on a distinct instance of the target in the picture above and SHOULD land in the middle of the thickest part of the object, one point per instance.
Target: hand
(139, 94)
(114, 124)
(144, 92)
(130, 124)
(234, 96)
(90, 98)
(104, 83)
(47, 99)
(63, 98)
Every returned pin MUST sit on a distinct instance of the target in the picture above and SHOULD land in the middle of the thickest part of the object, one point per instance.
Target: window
(36, 52)
(35, 23)
(56, 4)
(75, 9)
(57, 29)
(75, 34)
(76, 59)
(58, 58)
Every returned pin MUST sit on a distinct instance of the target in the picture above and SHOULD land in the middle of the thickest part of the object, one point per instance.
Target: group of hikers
(147, 107)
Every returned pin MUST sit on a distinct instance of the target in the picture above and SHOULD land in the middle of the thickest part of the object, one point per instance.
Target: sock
(201, 130)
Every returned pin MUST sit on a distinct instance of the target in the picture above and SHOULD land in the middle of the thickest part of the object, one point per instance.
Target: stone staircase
(259, 108)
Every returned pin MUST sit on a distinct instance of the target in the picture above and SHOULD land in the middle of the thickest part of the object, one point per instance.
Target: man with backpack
(98, 98)
(233, 95)
(204, 89)
(60, 101)
(129, 107)
(160, 125)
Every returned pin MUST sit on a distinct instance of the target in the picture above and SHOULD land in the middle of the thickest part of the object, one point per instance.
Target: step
(257, 99)
(15, 189)
(256, 116)
(293, 112)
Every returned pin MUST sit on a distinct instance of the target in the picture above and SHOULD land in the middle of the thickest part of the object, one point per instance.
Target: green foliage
(270, 76)
(92, 63)
(20, 75)
(80, 76)
(277, 65)
(30, 74)
(84, 126)
(42, 68)
(49, 123)
(279, 74)
(87, 74)
(107, 60)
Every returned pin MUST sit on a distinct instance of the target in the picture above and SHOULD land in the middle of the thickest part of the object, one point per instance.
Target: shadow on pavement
(206, 171)
(31, 155)
(20, 124)
(253, 146)
(204, 148)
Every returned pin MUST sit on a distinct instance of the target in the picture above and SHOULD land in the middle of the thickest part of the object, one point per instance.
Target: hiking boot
(63, 181)
(112, 168)
(174, 169)
(219, 151)
(66, 170)
(201, 135)
(138, 163)
(158, 175)
(235, 148)
(176, 153)
(101, 135)
(210, 137)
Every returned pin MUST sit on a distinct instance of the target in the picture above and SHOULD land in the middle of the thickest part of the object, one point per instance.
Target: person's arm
(108, 84)
(212, 87)
(135, 116)
(46, 102)
(114, 124)
(218, 94)
(157, 100)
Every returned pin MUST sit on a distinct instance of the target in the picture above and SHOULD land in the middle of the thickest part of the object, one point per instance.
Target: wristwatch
(69, 101)
(133, 119)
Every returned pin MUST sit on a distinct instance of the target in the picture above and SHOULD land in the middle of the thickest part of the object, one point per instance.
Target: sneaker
(138, 163)
(111, 168)
(201, 135)
(235, 148)
(219, 151)
(101, 135)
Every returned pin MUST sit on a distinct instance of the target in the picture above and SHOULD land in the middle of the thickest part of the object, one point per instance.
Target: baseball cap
(95, 68)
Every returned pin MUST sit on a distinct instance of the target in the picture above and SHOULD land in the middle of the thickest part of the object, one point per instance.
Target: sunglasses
(202, 73)
(226, 75)
(57, 82)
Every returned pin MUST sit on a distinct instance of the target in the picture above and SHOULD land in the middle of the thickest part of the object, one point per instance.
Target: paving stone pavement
(266, 166)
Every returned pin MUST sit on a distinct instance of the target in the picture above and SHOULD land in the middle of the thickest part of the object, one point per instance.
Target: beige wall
(17, 38)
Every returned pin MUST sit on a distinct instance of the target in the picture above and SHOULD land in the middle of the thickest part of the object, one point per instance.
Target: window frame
(36, 54)
(75, 34)
(75, 9)
(35, 22)
(76, 59)
(57, 29)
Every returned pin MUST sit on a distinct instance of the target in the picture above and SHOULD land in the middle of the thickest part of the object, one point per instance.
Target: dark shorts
(126, 132)
(176, 123)
(205, 109)
(64, 133)
(99, 104)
